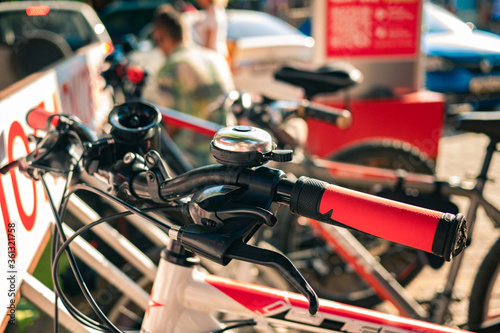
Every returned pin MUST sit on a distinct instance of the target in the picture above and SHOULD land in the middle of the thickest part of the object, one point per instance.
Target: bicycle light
(135, 127)
(246, 146)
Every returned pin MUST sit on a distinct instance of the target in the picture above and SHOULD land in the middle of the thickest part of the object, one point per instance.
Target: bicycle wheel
(323, 268)
(390, 154)
(484, 303)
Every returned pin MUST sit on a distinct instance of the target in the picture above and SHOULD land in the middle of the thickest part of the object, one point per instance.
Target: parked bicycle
(285, 120)
(127, 80)
(213, 211)
(435, 193)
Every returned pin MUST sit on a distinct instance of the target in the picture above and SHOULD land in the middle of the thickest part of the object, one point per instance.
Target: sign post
(381, 38)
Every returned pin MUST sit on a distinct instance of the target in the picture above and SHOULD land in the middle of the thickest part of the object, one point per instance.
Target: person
(191, 80)
(489, 15)
(211, 31)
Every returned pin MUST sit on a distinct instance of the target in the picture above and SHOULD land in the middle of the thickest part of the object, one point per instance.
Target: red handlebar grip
(428, 230)
(38, 118)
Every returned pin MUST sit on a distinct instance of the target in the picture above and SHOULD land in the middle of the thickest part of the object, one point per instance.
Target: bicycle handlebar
(38, 118)
(440, 233)
(264, 112)
(339, 117)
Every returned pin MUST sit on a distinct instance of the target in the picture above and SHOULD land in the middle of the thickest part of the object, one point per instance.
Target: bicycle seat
(480, 122)
(325, 79)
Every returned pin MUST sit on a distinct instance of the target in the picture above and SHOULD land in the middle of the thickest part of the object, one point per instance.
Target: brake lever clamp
(216, 219)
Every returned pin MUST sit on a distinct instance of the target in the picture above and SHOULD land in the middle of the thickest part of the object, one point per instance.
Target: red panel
(416, 118)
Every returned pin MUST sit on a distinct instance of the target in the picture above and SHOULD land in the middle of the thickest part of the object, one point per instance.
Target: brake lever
(228, 242)
(259, 256)
(221, 236)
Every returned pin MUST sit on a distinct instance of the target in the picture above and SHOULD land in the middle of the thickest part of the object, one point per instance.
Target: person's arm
(211, 37)
(210, 31)
(166, 94)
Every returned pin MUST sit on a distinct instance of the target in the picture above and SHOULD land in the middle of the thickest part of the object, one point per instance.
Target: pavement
(460, 155)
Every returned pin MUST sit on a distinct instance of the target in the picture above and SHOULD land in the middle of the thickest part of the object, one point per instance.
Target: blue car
(461, 61)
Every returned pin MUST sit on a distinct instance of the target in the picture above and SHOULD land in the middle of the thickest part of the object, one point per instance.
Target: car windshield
(242, 24)
(438, 20)
(124, 22)
(71, 25)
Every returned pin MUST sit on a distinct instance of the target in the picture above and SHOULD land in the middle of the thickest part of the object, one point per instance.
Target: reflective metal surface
(243, 139)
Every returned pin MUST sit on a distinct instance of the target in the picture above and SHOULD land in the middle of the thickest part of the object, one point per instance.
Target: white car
(34, 35)
(259, 44)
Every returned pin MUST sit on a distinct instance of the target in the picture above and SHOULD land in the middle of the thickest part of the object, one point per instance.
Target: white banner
(73, 87)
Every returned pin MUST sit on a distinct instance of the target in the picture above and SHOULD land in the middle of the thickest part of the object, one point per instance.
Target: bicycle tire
(404, 263)
(480, 306)
(387, 153)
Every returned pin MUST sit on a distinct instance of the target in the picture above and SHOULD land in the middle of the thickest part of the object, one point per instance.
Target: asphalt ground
(460, 155)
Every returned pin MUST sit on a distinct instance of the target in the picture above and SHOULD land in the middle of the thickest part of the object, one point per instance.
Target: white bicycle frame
(184, 300)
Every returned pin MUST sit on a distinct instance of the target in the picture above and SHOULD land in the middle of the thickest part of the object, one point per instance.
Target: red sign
(372, 27)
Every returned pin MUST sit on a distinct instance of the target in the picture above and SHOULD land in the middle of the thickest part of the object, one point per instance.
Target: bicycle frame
(183, 300)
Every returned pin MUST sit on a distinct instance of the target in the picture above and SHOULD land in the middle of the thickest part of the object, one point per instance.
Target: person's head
(167, 29)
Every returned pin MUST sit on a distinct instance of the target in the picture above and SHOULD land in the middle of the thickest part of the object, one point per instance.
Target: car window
(438, 20)
(71, 25)
(244, 25)
(124, 22)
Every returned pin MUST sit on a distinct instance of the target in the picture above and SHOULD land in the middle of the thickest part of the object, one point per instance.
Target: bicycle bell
(246, 146)
(135, 127)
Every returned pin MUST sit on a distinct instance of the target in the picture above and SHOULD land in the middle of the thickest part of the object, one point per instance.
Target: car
(34, 35)
(259, 44)
(461, 61)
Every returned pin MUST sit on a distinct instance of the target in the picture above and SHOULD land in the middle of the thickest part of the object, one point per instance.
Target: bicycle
(126, 80)
(270, 115)
(413, 188)
(230, 203)
(395, 185)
